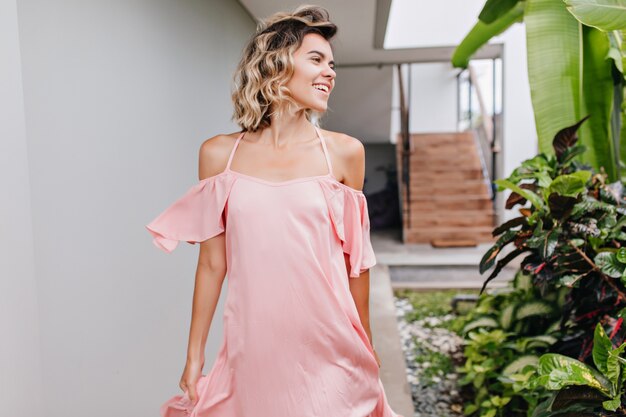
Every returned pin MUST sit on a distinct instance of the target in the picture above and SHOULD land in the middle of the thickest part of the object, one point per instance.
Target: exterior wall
(118, 96)
(20, 366)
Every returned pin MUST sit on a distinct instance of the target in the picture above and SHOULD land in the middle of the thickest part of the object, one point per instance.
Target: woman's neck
(287, 130)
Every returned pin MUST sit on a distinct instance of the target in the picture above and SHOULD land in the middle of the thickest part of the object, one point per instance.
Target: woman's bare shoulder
(214, 153)
(343, 144)
(347, 154)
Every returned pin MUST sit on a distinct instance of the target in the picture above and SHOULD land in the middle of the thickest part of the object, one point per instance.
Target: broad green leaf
(540, 341)
(583, 174)
(621, 254)
(601, 348)
(613, 404)
(615, 52)
(613, 365)
(608, 263)
(506, 317)
(602, 14)
(597, 84)
(559, 371)
(553, 57)
(567, 185)
(533, 308)
(534, 199)
(481, 322)
(482, 32)
(622, 133)
(543, 179)
(518, 364)
(495, 9)
(489, 258)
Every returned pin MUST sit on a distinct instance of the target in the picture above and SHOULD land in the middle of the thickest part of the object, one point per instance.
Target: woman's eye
(317, 59)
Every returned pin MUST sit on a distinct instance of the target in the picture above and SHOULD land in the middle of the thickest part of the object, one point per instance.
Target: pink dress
(293, 345)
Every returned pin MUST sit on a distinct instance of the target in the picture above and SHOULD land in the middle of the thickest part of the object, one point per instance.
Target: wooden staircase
(450, 199)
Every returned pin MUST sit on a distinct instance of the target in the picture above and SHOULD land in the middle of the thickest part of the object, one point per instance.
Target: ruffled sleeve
(350, 218)
(194, 217)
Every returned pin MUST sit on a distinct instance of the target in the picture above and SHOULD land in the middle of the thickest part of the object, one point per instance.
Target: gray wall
(360, 104)
(20, 366)
(117, 98)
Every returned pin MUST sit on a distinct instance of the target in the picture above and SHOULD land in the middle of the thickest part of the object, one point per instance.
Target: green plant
(597, 389)
(572, 235)
(575, 56)
(504, 336)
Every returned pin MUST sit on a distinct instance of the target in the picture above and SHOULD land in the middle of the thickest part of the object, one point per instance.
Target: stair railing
(407, 146)
(481, 122)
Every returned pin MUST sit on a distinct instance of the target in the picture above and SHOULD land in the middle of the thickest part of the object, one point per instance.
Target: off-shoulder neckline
(328, 176)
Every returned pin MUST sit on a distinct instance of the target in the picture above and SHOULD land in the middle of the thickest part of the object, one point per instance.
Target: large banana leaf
(554, 68)
(482, 32)
(597, 82)
(602, 14)
(495, 9)
(622, 135)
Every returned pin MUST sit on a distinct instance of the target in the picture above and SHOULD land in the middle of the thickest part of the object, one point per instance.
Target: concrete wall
(360, 104)
(117, 98)
(20, 362)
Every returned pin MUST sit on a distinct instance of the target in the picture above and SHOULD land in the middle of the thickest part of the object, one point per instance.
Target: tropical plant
(576, 51)
(580, 388)
(504, 335)
(573, 238)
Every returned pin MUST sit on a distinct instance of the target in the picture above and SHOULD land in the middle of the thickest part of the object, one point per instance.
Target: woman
(279, 207)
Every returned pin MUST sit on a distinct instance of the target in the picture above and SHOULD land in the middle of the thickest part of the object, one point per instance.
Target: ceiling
(362, 26)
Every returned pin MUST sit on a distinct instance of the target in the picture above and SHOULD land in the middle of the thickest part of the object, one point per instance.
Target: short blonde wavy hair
(267, 64)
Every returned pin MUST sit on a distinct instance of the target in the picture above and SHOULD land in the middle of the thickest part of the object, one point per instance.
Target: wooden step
(445, 137)
(427, 235)
(446, 174)
(428, 177)
(419, 206)
(442, 149)
(454, 243)
(438, 157)
(450, 202)
(460, 219)
(448, 188)
(447, 198)
(442, 165)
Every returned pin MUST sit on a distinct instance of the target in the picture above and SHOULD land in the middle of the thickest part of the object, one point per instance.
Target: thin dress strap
(232, 152)
(330, 166)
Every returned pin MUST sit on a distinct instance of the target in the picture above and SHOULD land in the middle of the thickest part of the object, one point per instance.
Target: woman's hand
(191, 374)
(377, 358)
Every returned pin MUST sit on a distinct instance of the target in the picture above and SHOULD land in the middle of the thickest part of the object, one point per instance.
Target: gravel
(435, 392)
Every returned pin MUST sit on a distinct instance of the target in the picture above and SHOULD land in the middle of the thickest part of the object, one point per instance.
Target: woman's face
(314, 76)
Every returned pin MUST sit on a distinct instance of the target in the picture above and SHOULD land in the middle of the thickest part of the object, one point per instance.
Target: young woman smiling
(279, 209)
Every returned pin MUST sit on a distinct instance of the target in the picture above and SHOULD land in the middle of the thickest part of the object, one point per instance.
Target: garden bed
(433, 349)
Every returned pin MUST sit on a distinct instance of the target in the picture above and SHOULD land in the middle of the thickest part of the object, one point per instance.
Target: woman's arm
(211, 269)
(351, 154)
(210, 273)
(360, 289)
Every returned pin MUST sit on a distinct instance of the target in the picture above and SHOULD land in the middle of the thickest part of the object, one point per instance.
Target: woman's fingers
(192, 393)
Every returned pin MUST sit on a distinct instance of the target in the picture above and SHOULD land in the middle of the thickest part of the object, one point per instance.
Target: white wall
(433, 98)
(118, 97)
(360, 104)
(20, 367)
